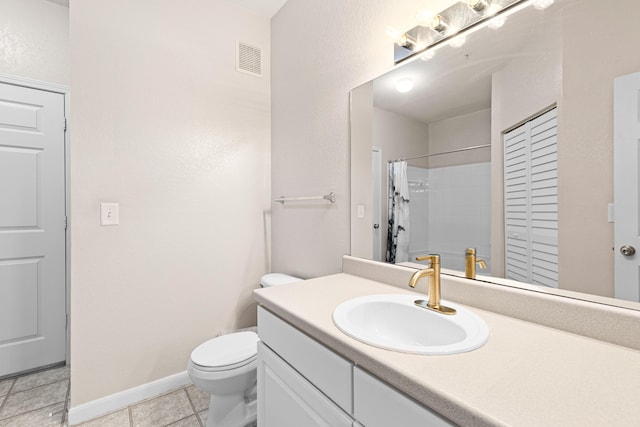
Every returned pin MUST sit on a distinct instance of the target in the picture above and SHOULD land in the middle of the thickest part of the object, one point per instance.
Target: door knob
(627, 250)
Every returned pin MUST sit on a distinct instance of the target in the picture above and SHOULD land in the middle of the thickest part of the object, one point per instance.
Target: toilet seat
(224, 368)
(226, 352)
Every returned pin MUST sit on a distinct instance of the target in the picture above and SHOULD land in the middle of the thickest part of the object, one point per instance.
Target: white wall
(322, 50)
(455, 192)
(163, 124)
(418, 211)
(34, 40)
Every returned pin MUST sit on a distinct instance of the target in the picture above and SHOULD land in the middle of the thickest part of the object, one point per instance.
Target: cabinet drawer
(286, 399)
(329, 372)
(380, 405)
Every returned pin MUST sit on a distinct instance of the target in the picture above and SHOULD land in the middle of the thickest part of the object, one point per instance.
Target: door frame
(66, 92)
(376, 204)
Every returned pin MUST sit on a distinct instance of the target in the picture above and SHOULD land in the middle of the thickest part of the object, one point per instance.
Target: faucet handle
(470, 262)
(432, 258)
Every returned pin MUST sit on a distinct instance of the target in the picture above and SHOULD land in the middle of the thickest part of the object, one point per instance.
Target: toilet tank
(275, 279)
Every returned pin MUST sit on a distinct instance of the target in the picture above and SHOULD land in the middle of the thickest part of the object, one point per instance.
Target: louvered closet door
(531, 201)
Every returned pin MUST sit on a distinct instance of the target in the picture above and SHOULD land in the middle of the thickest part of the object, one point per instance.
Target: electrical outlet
(109, 213)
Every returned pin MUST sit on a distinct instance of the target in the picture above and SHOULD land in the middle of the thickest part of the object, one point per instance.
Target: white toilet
(225, 367)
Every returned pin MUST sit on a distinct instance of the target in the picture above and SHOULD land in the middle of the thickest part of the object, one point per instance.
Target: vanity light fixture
(542, 4)
(427, 18)
(401, 39)
(438, 24)
(478, 5)
(404, 85)
(460, 19)
(424, 17)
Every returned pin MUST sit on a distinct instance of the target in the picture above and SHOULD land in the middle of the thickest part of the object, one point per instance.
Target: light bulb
(478, 5)
(395, 34)
(427, 55)
(458, 41)
(424, 17)
(404, 85)
(497, 22)
(542, 4)
(438, 24)
(401, 39)
(492, 10)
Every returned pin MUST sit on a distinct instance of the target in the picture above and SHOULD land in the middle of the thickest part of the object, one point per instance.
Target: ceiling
(266, 8)
(61, 2)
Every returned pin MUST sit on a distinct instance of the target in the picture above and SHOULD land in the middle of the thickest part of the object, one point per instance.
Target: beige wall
(34, 40)
(594, 54)
(163, 124)
(322, 50)
(467, 130)
(519, 91)
(361, 112)
(398, 137)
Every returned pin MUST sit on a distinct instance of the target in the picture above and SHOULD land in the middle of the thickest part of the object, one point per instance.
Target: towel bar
(330, 197)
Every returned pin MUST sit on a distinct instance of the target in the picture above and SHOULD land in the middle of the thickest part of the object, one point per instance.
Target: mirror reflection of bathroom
(436, 143)
(429, 196)
(534, 77)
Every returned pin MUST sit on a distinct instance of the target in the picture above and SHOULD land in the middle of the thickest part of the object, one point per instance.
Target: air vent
(249, 59)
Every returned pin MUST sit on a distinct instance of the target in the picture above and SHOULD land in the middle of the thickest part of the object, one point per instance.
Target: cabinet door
(286, 399)
(379, 405)
(316, 363)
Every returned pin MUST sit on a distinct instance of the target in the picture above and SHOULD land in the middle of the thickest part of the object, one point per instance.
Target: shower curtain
(398, 219)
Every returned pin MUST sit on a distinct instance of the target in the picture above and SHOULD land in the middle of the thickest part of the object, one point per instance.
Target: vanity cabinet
(303, 383)
(287, 399)
(379, 405)
(300, 382)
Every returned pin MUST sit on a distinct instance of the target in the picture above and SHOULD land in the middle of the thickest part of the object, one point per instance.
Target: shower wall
(441, 200)
(419, 211)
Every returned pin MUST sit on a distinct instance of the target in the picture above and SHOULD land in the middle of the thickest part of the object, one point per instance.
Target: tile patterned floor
(42, 399)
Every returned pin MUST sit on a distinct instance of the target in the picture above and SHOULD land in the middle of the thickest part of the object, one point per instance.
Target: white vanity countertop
(526, 374)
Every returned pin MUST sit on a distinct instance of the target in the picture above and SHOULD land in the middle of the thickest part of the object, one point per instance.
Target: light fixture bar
(459, 18)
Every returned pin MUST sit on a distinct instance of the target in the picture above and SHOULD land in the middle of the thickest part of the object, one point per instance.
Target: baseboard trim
(99, 407)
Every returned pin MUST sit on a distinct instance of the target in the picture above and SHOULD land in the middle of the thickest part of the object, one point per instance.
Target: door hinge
(66, 321)
(66, 222)
(65, 124)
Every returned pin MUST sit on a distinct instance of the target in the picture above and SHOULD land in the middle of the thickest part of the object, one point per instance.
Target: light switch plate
(360, 211)
(611, 212)
(109, 213)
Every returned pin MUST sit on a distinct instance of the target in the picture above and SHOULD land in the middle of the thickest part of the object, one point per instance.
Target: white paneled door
(627, 186)
(32, 229)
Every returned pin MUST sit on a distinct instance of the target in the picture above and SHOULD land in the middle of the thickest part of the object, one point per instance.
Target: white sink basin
(394, 322)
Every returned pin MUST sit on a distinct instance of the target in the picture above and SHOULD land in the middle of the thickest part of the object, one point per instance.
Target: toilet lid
(225, 350)
(275, 279)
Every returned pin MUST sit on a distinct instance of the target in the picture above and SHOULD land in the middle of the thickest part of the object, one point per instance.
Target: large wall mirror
(506, 144)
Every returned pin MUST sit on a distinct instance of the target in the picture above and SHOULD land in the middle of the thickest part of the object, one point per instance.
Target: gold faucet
(470, 262)
(434, 285)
